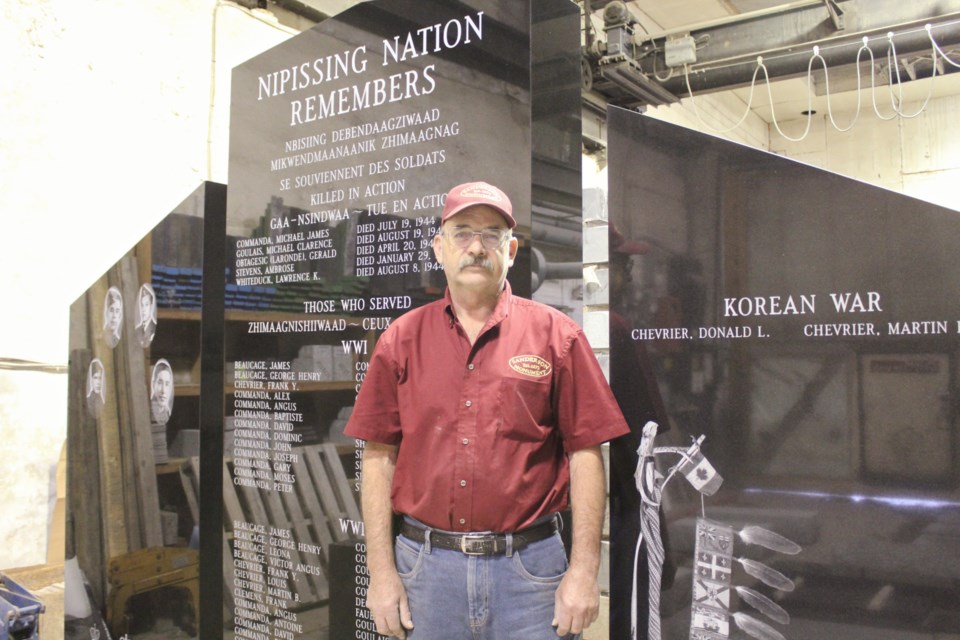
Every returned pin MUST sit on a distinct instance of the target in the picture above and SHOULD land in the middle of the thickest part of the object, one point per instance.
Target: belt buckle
(466, 548)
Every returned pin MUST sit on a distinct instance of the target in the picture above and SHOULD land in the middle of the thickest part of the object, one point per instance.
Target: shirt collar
(500, 312)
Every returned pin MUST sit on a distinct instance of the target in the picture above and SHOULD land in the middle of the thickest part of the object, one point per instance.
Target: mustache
(477, 261)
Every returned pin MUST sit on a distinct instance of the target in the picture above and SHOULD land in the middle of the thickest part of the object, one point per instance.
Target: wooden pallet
(322, 497)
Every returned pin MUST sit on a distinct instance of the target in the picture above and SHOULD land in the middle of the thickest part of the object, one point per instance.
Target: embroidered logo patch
(533, 366)
(480, 191)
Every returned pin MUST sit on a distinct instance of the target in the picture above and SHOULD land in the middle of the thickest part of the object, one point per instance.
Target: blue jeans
(454, 596)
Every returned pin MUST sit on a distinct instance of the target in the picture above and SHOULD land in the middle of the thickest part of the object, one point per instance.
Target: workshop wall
(106, 121)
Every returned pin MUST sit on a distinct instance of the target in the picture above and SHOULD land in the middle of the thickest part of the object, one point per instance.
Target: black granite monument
(344, 142)
(808, 325)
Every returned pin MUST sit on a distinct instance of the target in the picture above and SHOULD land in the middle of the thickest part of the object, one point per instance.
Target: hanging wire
(893, 70)
(873, 85)
(826, 84)
(894, 81)
(898, 104)
(746, 112)
(655, 74)
(809, 110)
(937, 49)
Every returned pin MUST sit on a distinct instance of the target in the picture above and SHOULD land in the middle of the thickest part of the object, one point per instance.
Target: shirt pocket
(525, 412)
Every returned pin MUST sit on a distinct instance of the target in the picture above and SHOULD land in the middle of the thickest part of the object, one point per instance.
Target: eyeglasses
(490, 238)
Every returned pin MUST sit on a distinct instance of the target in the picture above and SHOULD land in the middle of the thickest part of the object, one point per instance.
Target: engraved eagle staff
(650, 483)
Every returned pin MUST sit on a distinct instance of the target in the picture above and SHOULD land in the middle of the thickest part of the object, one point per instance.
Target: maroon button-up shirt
(483, 430)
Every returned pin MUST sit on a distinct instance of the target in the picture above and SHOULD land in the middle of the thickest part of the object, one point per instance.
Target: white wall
(917, 156)
(105, 113)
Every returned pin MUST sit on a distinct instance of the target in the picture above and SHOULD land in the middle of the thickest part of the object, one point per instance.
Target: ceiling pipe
(726, 50)
(794, 61)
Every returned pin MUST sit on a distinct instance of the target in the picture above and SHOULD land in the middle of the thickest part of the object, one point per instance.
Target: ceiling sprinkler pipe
(794, 61)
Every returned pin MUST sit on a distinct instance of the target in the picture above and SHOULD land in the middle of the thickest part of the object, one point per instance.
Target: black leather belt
(480, 544)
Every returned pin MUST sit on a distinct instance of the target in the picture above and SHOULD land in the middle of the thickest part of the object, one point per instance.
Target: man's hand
(386, 597)
(387, 601)
(577, 602)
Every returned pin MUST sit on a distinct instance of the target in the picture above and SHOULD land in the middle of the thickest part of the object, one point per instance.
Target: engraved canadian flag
(699, 472)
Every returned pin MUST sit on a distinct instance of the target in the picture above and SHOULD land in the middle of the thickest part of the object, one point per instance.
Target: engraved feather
(769, 540)
(756, 628)
(767, 575)
(763, 604)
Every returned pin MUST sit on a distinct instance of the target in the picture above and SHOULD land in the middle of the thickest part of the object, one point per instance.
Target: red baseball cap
(621, 244)
(473, 194)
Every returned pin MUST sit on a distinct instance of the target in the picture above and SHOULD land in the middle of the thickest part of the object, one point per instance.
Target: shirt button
(468, 403)
(466, 441)
(463, 483)
(470, 366)
(462, 521)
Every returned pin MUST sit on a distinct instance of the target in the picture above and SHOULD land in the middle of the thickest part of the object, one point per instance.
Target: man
(482, 412)
(96, 396)
(112, 316)
(146, 315)
(161, 392)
